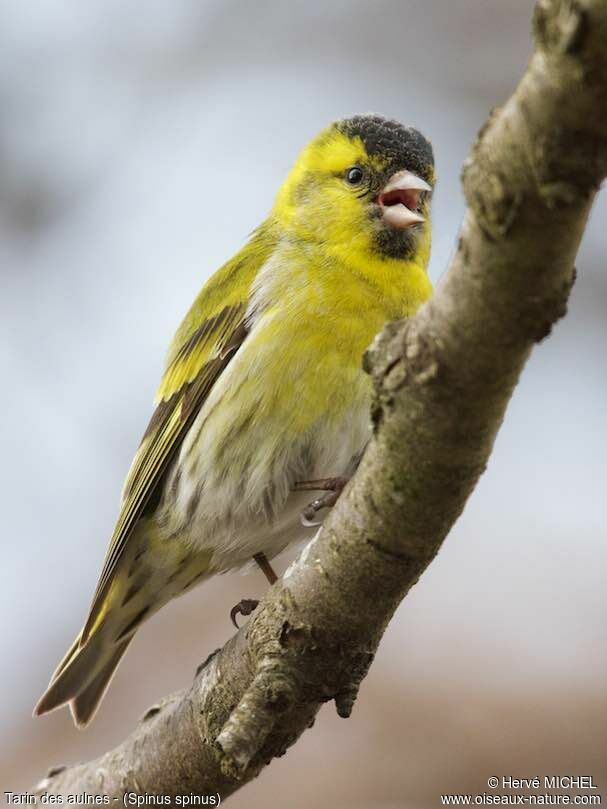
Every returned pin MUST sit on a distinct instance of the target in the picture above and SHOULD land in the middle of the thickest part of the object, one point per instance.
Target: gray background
(140, 142)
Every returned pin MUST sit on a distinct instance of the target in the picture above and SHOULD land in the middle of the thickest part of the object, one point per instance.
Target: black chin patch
(400, 244)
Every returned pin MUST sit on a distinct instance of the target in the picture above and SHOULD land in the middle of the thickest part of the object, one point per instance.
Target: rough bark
(443, 380)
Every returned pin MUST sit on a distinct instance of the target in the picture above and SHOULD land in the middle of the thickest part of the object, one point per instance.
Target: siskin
(263, 391)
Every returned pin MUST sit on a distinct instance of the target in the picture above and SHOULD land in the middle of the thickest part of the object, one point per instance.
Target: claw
(244, 607)
(308, 514)
(333, 488)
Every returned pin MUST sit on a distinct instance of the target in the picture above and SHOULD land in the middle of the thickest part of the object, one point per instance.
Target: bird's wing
(206, 341)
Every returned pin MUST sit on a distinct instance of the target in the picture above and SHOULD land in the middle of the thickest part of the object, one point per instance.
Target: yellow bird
(263, 395)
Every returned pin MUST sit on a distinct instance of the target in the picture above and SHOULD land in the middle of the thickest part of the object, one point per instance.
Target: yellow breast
(313, 316)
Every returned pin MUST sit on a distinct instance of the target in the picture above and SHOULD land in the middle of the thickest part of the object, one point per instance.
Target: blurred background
(126, 130)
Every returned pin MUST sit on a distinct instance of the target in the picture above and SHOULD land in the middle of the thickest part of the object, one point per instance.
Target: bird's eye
(354, 175)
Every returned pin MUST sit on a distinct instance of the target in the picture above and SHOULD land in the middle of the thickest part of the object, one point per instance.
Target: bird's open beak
(399, 200)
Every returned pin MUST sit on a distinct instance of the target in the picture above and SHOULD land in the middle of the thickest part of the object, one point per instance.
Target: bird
(263, 395)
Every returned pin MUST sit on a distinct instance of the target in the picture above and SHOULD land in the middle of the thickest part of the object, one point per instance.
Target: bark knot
(494, 198)
(538, 319)
(560, 25)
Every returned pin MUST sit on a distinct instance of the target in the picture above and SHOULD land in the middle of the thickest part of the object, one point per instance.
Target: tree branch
(442, 379)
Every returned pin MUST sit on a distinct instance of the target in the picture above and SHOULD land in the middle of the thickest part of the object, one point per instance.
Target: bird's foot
(333, 488)
(244, 607)
(248, 605)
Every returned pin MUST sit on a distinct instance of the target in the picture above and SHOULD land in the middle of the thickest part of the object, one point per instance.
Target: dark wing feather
(186, 384)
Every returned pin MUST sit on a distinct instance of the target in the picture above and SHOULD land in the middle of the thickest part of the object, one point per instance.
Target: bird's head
(362, 188)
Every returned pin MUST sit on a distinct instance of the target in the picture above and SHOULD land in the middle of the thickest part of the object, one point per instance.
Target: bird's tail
(82, 677)
(135, 593)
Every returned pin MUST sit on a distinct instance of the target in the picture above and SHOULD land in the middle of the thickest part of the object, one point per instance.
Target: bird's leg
(333, 488)
(266, 567)
(247, 605)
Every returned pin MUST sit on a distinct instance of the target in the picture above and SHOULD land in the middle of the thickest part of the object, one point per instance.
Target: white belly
(235, 498)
